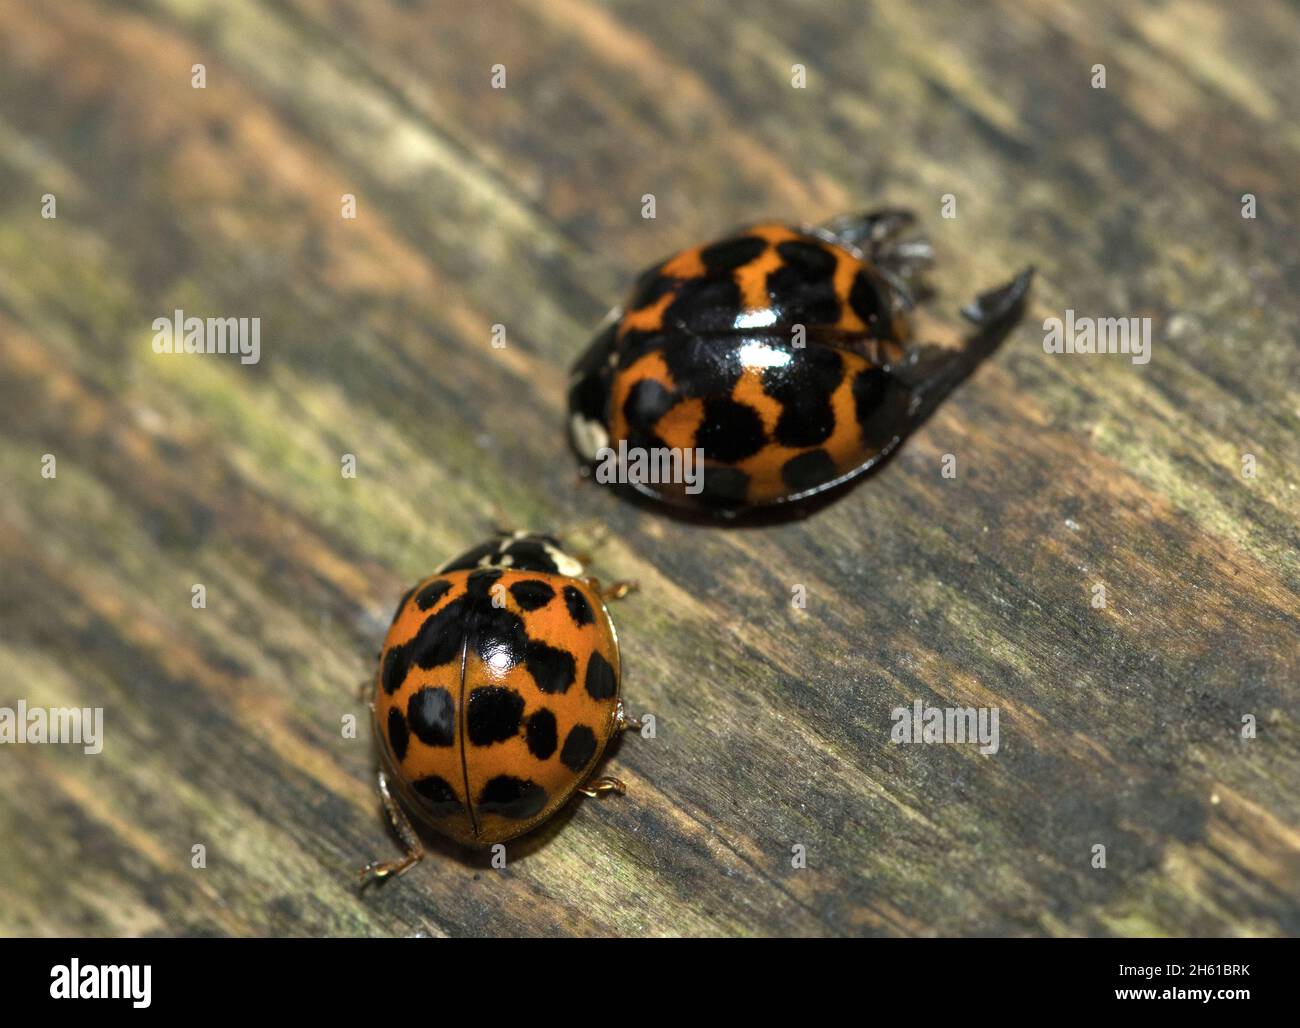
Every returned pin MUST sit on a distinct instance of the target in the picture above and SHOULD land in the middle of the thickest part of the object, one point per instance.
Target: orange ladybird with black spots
(496, 694)
(785, 356)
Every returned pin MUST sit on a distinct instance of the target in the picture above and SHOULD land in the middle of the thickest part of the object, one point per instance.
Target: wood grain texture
(522, 207)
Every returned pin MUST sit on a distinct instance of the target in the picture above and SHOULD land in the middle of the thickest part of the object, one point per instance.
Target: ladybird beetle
(783, 357)
(496, 693)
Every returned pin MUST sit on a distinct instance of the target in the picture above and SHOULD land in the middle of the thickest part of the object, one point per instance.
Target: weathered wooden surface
(522, 207)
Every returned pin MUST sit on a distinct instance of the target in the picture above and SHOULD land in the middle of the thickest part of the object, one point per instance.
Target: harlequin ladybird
(496, 693)
(783, 357)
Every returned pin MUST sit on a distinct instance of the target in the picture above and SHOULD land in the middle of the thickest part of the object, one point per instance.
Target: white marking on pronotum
(589, 436)
(564, 564)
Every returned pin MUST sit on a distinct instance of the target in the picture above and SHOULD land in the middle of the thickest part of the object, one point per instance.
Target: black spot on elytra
(492, 714)
(870, 303)
(532, 594)
(646, 403)
(881, 404)
(552, 669)
(803, 304)
(396, 663)
(437, 642)
(432, 593)
(579, 748)
(803, 288)
(541, 735)
(812, 261)
(601, 683)
(398, 736)
(730, 431)
(499, 638)
(704, 305)
(699, 365)
(579, 608)
(515, 798)
(440, 798)
(870, 386)
(649, 288)
(480, 582)
(723, 487)
(432, 716)
(804, 387)
(808, 471)
(440, 637)
(636, 343)
(731, 253)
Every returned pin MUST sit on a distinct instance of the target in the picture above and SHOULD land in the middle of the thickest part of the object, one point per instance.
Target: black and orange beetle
(784, 357)
(496, 693)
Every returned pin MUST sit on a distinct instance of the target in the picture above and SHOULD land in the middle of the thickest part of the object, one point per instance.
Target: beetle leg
(622, 722)
(378, 870)
(617, 590)
(886, 239)
(871, 230)
(600, 786)
(613, 591)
